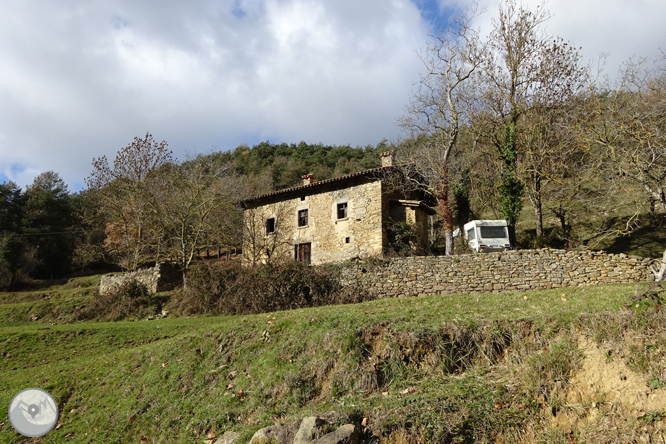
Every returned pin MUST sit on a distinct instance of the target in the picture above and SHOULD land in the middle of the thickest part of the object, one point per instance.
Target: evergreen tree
(11, 208)
(47, 225)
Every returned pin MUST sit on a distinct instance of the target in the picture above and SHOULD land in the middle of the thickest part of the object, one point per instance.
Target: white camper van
(486, 235)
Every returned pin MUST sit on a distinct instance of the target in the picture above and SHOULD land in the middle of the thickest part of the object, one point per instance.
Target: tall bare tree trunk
(539, 219)
(535, 197)
(445, 208)
(561, 214)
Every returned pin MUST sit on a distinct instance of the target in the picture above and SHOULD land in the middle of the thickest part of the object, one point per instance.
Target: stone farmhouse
(332, 220)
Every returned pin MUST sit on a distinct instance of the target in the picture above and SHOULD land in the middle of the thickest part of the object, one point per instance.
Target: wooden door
(302, 252)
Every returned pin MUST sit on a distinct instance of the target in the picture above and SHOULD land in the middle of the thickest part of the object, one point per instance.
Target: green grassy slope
(436, 369)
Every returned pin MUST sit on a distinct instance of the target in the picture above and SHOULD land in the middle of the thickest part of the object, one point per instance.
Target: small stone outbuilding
(161, 277)
(333, 220)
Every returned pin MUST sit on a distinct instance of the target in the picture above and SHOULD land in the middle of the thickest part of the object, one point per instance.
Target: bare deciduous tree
(123, 191)
(191, 206)
(550, 155)
(435, 111)
(629, 124)
(626, 128)
(523, 70)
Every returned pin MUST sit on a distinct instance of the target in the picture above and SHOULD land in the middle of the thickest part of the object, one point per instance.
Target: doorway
(302, 252)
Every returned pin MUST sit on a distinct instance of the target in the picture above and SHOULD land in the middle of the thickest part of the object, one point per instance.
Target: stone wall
(493, 272)
(161, 277)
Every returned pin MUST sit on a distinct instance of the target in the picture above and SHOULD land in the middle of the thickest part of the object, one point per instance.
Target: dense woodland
(513, 125)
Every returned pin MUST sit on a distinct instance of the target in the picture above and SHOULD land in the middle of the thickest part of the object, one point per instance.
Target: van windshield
(493, 232)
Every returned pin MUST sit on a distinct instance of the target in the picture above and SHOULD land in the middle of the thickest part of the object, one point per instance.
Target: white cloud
(81, 79)
(617, 28)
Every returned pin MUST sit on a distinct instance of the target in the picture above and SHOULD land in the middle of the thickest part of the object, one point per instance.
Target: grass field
(481, 368)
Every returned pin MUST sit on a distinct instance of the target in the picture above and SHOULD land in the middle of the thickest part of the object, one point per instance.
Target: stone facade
(329, 221)
(520, 270)
(161, 277)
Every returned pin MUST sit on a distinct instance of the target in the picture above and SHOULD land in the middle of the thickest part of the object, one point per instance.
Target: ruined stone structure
(521, 270)
(161, 277)
(331, 220)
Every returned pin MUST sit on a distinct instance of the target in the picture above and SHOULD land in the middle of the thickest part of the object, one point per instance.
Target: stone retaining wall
(161, 277)
(521, 270)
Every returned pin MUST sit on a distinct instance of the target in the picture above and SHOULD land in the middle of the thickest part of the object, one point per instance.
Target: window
(470, 234)
(493, 233)
(342, 210)
(302, 253)
(302, 218)
(302, 198)
(270, 225)
(346, 240)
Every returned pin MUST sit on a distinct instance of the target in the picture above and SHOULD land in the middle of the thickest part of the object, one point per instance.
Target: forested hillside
(513, 125)
(282, 165)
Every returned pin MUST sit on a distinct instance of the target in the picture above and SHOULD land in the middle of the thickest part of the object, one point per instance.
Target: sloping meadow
(508, 367)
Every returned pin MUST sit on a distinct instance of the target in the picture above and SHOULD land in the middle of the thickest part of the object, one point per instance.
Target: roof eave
(374, 174)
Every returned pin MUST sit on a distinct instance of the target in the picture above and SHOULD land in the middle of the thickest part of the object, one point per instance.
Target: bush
(230, 288)
(403, 239)
(130, 300)
(461, 246)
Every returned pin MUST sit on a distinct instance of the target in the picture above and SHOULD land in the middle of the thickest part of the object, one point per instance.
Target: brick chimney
(388, 158)
(308, 179)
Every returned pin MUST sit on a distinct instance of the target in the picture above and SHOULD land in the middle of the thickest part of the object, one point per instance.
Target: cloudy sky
(80, 79)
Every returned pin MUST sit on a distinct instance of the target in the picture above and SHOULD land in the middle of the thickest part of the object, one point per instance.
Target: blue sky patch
(434, 14)
(118, 23)
(238, 12)
(17, 168)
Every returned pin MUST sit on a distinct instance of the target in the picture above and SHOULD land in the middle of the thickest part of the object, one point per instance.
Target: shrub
(403, 239)
(461, 246)
(130, 300)
(230, 288)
